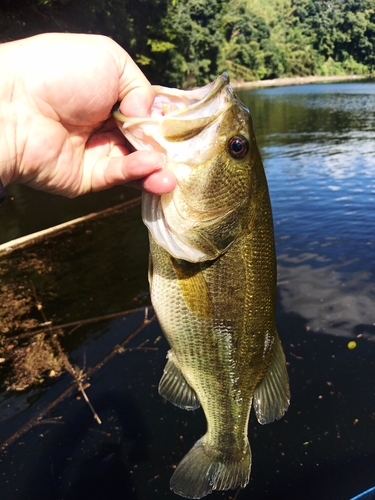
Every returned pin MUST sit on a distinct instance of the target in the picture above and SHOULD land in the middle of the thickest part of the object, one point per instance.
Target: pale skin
(56, 129)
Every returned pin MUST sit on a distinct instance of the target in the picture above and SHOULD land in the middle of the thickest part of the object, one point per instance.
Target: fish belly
(222, 333)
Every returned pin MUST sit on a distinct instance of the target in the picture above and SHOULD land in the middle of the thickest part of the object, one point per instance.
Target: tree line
(189, 42)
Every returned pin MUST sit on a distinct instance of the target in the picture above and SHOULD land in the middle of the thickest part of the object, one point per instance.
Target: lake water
(318, 147)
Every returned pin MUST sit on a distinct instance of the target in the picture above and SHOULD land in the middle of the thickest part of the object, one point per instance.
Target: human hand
(56, 129)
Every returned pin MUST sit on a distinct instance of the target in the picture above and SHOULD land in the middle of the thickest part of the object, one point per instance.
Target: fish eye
(238, 147)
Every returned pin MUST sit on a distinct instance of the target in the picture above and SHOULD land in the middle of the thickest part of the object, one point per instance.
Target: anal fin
(174, 388)
(272, 396)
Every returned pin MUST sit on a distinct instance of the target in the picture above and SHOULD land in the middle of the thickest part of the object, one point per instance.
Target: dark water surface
(317, 142)
(318, 146)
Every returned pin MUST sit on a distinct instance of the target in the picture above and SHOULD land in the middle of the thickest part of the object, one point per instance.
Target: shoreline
(295, 80)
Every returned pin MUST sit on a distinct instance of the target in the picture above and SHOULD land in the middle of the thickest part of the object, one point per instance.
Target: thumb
(136, 93)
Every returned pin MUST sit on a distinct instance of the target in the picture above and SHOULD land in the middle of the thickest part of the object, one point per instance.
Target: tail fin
(204, 469)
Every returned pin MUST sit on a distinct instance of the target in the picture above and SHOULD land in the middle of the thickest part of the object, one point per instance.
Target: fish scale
(213, 279)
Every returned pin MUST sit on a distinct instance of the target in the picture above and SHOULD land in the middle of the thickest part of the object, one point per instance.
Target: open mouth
(176, 115)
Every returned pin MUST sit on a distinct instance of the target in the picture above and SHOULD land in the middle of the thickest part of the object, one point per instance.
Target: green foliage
(188, 42)
(193, 27)
(341, 31)
(246, 34)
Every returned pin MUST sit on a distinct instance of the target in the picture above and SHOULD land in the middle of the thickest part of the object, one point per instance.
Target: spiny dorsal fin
(174, 388)
(272, 396)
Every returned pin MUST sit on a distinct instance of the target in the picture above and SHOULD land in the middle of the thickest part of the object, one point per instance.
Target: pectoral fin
(174, 388)
(272, 396)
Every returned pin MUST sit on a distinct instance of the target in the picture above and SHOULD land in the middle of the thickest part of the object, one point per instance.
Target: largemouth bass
(212, 277)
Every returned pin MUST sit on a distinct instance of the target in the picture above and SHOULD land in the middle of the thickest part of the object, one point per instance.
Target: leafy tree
(188, 42)
(132, 23)
(245, 36)
(193, 28)
(340, 32)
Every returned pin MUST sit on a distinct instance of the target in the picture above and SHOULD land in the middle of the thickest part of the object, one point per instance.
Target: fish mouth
(176, 115)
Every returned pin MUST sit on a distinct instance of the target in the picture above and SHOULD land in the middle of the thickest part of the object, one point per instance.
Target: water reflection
(331, 301)
(26, 211)
(318, 147)
(335, 108)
